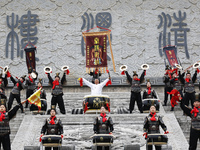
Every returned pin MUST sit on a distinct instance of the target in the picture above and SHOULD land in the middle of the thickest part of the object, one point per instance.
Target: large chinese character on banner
(96, 50)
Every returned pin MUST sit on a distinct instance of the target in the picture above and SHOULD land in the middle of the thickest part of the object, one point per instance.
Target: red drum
(147, 103)
(52, 141)
(95, 103)
(103, 139)
(157, 139)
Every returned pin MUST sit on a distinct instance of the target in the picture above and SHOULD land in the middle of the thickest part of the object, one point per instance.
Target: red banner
(30, 57)
(96, 51)
(170, 53)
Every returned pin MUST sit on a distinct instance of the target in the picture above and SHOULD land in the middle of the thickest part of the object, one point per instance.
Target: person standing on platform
(30, 83)
(57, 91)
(151, 126)
(15, 93)
(168, 86)
(5, 117)
(194, 114)
(103, 125)
(189, 88)
(52, 126)
(135, 90)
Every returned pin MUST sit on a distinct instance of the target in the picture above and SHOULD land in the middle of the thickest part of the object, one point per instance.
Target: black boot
(172, 109)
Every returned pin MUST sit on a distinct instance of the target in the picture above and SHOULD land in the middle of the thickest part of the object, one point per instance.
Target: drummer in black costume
(52, 126)
(149, 93)
(103, 125)
(151, 125)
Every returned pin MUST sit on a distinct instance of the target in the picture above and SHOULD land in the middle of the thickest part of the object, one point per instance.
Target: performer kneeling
(5, 117)
(103, 125)
(194, 114)
(52, 126)
(149, 93)
(151, 125)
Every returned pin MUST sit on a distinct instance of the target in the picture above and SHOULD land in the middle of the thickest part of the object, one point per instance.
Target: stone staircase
(78, 128)
(183, 120)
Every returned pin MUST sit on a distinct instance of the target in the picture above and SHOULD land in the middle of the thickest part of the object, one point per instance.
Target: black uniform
(168, 88)
(52, 129)
(4, 83)
(95, 76)
(189, 89)
(135, 92)
(5, 128)
(57, 93)
(151, 95)
(15, 93)
(152, 127)
(30, 88)
(101, 127)
(195, 126)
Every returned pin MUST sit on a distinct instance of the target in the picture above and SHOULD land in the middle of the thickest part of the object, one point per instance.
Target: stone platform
(128, 128)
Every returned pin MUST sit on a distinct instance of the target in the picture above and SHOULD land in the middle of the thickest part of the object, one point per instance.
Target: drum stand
(103, 147)
(154, 145)
(41, 147)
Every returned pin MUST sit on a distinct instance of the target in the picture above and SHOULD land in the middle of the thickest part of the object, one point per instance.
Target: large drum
(35, 109)
(157, 139)
(94, 103)
(52, 141)
(103, 139)
(147, 103)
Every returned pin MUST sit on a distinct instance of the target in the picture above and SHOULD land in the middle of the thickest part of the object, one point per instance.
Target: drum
(52, 141)
(95, 103)
(147, 103)
(103, 139)
(157, 139)
(35, 109)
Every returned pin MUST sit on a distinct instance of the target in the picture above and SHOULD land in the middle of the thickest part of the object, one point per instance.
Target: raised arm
(50, 78)
(128, 77)
(63, 80)
(185, 108)
(13, 112)
(5, 80)
(142, 76)
(194, 78)
(181, 77)
(13, 80)
(87, 83)
(104, 82)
